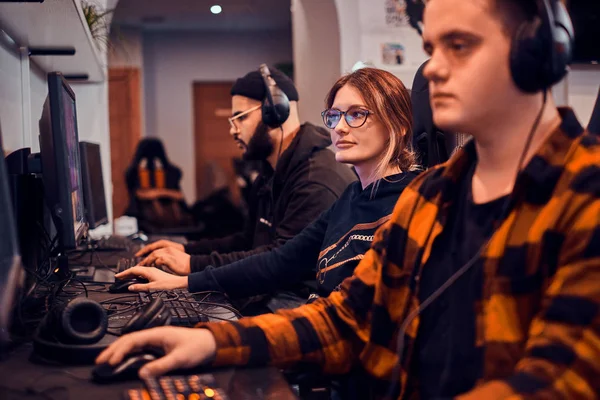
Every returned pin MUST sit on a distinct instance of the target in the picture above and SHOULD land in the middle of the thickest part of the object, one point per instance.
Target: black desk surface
(22, 377)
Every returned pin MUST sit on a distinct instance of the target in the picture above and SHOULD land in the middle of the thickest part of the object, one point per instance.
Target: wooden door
(213, 144)
(124, 109)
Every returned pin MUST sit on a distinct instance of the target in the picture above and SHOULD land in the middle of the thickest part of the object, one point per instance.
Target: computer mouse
(122, 285)
(125, 370)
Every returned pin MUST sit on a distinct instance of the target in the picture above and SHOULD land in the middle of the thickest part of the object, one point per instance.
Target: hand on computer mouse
(126, 370)
(183, 347)
(157, 279)
(149, 248)
(175, 260)
(123, 285)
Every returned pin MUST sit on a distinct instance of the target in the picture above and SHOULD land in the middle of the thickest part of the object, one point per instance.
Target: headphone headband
(275, 105)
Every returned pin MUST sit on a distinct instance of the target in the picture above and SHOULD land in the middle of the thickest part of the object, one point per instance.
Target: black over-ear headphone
(542, 49)
(276, 105)
(76, 332)
(155, 314)
(80, 321)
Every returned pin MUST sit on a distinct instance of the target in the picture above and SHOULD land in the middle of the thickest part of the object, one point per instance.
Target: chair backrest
(154, 186)
(150, 168)
(432, 144)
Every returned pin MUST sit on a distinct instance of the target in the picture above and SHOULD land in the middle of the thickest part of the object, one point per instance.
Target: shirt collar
(540, 176)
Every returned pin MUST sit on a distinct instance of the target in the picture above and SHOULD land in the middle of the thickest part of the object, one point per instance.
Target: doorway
(214, 147)
(125, 128)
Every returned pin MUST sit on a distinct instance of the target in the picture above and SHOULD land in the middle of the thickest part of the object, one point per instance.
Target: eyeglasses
(355, 117)
(241, 115)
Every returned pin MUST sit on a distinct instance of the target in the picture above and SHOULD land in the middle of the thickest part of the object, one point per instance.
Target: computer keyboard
(185, 309)
(116, 243)
(199, 387)
(125, 263)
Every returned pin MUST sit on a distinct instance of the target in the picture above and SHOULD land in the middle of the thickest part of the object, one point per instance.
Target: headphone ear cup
(274, 115)
(80, 321)
(542, 49)
(527, 58)
(154, 314)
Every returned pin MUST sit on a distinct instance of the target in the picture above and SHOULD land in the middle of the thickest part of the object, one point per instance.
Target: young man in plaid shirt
(512, 265)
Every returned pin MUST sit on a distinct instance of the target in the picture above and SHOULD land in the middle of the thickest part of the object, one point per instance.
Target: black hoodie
(306, 181)
(329, 248)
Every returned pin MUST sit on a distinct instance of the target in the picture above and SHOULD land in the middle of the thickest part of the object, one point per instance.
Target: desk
(21, 372)
(18, 373)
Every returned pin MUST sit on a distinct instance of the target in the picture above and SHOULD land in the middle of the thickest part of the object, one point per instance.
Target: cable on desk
(198, 312)
(233, 310)
(127, 296)
(75, 293)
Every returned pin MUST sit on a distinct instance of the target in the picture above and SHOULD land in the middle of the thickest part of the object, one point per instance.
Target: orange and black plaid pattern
(537, 322)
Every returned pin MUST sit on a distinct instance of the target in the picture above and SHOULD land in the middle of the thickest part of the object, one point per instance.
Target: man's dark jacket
(306, 181)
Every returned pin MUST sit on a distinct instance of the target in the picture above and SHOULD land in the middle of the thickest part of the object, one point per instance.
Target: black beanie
(253, 86)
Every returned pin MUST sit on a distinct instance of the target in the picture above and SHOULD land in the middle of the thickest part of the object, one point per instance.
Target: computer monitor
(11, 271)
(93, 184)
(61, 168)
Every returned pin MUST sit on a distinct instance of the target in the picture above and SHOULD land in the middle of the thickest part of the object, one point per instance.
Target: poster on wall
(400, 13)
(392, 32)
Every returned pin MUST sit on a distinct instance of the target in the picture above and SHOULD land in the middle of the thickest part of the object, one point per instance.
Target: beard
(260, 146)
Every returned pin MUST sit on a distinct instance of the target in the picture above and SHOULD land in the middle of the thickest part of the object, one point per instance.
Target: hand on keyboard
(158, 245)
(157, 279)
(176, 261)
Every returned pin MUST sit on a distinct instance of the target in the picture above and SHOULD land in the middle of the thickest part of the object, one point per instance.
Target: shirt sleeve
(237, 241)
(329, 333)
(269, 271)
(305, 204)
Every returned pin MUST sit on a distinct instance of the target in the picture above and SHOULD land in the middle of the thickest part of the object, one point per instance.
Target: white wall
(316, 54)
(350, 34)
(582, 87)
(11, 109)
(92, 124)
(174, 60)
(23, 90)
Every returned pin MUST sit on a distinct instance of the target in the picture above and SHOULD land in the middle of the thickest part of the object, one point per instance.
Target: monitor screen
(93, 184)
(11, 272)
(70, 121)
(61, 167)
(585, 15)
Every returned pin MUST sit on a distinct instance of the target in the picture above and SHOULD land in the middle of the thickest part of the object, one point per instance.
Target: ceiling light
(216, 9)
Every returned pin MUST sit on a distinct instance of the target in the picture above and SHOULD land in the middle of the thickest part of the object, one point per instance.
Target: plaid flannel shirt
(538, 321)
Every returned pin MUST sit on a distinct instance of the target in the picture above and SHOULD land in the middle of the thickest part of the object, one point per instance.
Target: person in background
(369, 116)
(484, 283)
(300, 179)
